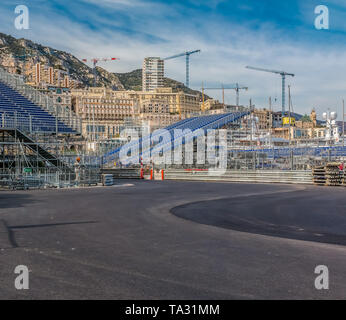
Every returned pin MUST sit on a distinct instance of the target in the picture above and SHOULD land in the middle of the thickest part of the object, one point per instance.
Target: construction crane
(235, 86)
(95, 61)
(187, 54)
(283, 75)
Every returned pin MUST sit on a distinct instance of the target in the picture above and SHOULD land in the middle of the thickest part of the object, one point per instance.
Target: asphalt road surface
(174, 240)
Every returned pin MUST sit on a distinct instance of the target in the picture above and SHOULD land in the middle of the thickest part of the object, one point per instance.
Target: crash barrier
(132, 173)
(258, 176)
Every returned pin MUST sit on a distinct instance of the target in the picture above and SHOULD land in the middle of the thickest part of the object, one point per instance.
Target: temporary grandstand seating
(193, 124)
(16, 111)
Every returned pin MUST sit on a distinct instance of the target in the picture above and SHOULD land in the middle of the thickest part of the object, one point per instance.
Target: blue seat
(171, 141)
(16, 107)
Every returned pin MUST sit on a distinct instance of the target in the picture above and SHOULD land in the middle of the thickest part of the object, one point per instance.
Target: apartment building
(212, 106)
(108, 109)
(62, 97)
(103, 111)
(42, 76)
(179, 102)
(152, 73)
(155, 113)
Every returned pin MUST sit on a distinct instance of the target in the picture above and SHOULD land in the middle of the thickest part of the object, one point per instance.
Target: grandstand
(18, 111)
(27, 119)
(191, 128)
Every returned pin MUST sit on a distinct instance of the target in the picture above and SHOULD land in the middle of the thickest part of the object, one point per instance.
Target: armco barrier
(123, 173)
(296, 177)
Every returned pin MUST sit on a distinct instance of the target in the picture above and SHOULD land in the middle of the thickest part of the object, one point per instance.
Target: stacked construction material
(107, 180)
(333, 174)
(319, 175)
(329, 175)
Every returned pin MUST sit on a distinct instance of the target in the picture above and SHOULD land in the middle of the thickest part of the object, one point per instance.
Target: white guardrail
(259, 176)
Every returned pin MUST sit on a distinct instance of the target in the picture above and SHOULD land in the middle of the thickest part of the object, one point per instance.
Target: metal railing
(30, 124)
(123, 173)
(67, 116)
(36, 181)
(289, 177)
(85, 176)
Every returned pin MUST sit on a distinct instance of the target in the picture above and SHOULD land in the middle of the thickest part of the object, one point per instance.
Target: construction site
(107, 193)
(45, 144)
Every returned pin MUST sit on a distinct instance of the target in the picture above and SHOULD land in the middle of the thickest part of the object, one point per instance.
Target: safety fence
(260, 176)
(36, 181)
(83, 176)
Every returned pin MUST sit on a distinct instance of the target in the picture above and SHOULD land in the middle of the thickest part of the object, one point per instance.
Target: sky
(231, 34)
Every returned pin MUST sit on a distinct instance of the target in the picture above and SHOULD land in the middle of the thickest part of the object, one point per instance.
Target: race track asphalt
(174, 240)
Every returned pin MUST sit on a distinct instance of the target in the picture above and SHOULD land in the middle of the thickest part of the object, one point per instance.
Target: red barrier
(151, 174)
(162, 175)
(142, 174)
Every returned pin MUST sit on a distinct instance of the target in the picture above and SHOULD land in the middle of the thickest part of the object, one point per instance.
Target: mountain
(14, 52)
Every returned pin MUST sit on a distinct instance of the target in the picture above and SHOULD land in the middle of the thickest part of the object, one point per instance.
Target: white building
(153, 72)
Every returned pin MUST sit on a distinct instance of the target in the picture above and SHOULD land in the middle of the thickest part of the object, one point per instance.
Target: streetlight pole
(289, 115)
(270, 122)
(343, 123)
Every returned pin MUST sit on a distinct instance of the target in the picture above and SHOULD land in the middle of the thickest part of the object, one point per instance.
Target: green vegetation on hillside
(133, 81)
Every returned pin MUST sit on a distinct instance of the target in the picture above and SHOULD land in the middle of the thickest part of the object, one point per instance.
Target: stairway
(32, 145)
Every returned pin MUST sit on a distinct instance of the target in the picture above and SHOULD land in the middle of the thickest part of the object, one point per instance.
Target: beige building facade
(104, 111)
(43, 76)
(179, 103)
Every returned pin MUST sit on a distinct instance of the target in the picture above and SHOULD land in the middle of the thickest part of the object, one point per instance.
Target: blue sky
(231, 34)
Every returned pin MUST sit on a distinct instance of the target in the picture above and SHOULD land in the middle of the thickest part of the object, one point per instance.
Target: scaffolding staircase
(28, 142)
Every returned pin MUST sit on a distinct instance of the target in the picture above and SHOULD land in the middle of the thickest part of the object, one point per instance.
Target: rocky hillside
(13, 52)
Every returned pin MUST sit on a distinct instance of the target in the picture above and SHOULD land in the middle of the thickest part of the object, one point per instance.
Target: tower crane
(95, 61)
(283, 75)
(187, 55)
(235, 86)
